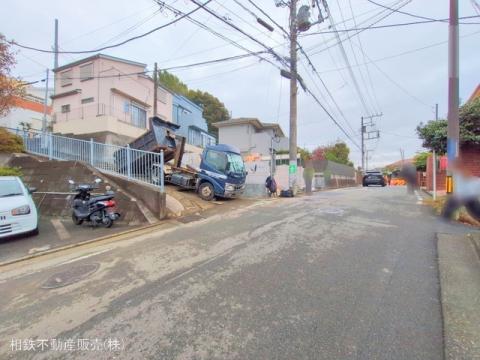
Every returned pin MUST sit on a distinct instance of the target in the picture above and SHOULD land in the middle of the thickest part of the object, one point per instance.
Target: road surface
(345, 274)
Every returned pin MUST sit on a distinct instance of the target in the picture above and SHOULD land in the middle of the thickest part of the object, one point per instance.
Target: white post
(434, 175)
(50, 146)
(129, 162)
(91, 152)
(162, 184)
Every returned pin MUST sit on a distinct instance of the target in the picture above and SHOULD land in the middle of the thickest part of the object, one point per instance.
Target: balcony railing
(127, 115)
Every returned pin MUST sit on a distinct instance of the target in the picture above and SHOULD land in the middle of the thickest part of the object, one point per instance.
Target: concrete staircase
(51, 180)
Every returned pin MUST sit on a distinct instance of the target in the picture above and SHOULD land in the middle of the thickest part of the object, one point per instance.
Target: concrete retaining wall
(150, 195)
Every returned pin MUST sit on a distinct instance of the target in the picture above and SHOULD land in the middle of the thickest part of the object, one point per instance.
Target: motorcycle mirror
(71, 182)
(98, 181)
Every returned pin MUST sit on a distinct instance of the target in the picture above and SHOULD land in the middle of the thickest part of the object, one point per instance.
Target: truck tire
(206, 192)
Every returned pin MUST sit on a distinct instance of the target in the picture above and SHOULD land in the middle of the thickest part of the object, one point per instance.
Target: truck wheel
(205, 191)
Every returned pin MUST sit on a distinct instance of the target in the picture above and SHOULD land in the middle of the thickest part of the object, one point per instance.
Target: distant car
(18, 214)
(373, 178)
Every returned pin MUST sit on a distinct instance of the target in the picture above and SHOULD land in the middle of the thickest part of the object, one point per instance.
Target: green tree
(338, 152)
(172, 82)
(213, 109)
(420, 160)
(434, 133)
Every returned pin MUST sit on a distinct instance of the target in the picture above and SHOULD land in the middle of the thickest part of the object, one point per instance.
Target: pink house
(106, 98)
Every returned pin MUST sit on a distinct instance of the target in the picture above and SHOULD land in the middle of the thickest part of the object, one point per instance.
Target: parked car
(18, 214)
(373, 178)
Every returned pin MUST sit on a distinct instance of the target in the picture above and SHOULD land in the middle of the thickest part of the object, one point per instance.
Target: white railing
(144, 166)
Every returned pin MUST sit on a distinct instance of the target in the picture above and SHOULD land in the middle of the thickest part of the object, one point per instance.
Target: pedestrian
(409, 173)
(466, 192)
(271, 186)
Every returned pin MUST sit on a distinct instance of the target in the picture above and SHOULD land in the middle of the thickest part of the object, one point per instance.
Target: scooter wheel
(107, 222)
(76, 220)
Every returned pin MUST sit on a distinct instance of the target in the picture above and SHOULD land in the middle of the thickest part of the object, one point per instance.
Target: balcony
(128, 121)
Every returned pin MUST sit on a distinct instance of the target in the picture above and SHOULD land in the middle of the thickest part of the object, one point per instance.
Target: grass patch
(460, 215)
(10, 171)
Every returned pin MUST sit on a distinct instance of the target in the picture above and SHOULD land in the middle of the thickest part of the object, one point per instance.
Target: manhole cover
(70, 276)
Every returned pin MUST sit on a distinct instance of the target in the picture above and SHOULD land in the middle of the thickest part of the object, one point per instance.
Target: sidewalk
(459, 269)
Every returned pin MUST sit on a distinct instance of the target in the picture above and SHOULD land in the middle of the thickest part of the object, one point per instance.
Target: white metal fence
(134, 164)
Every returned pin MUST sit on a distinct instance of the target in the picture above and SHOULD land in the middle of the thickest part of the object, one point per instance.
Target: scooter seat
(100, 198)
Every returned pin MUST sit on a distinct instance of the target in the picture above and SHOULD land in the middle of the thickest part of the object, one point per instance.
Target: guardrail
(133, 164)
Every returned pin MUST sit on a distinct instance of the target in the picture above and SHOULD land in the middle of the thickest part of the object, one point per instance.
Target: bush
(9, 171)
(10, 143)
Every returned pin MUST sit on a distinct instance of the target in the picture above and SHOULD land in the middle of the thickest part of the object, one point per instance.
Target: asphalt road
(346, 274)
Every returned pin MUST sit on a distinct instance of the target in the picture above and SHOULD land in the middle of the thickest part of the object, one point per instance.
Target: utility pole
(453, 132)
(370, 135)
(45, 105)
(155, 90)
(434, 158)
(363, 145)
(55, 46)
(292, 172)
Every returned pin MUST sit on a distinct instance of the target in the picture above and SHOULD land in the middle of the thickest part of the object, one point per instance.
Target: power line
(358, 32)
(361, 29)
(397, 84)
(217, 34)
(269, 49)
(400, 54)
(177, 67)
(404, 12)
(200, 6)
(347, 62)
(270, 18)
(373, 94)
(332, 118)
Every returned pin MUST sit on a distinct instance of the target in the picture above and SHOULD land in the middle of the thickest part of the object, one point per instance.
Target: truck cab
(222, 172)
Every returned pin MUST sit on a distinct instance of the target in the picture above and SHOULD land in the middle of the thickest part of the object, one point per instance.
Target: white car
(18, 214)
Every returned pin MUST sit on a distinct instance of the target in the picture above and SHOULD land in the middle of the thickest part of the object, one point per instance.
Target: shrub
(10, 171)
(10, 143)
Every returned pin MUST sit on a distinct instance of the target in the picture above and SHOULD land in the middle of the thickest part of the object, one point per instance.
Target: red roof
(476, 94)
(31, 105)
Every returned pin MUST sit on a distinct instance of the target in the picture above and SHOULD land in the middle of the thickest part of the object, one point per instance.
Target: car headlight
(22, 210)
(229, 187)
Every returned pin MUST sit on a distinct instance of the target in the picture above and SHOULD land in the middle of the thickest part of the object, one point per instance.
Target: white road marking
(60, 229)
(42, 248)
(85, 256)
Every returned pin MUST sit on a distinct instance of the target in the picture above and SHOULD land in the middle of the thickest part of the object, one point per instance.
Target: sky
(400, 72)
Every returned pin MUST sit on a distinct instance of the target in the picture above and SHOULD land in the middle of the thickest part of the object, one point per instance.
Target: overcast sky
(402, 83)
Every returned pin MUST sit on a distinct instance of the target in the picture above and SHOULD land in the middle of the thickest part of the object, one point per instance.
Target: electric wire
(200, 6)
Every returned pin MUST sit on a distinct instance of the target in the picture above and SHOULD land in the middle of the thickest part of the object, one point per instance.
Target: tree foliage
(172, 82)
(434, 133)
(338, 152)
(10, 88)
(10, 143)
(420, 160)
(213, 109)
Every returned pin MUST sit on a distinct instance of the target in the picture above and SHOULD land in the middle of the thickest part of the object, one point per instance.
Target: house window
(65, 108)
(66, 78)
(139, 116)
(87, 100)
(86, 72)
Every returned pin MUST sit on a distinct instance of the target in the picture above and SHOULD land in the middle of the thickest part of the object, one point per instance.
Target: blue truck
(221, 172)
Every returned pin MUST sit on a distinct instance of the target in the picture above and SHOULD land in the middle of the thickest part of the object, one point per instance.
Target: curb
(139, 231)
